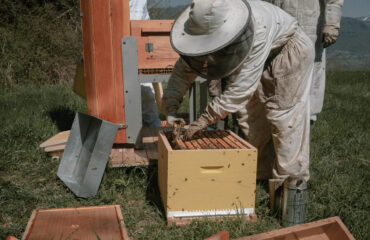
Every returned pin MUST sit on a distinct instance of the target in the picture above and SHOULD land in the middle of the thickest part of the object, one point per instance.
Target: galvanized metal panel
(203, 89)
(86, 154)
(150, 78)
(132, 91)
(193, 103)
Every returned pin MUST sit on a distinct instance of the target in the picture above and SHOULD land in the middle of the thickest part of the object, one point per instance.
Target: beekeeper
(320, 20)
(139, 11)
(268, 62)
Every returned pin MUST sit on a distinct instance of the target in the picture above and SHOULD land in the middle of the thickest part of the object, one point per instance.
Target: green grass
(30, 115)
(40, 42)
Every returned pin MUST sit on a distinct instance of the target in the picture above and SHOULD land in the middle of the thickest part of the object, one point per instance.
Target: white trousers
(149, 107)
(277, 119)
(318, 87)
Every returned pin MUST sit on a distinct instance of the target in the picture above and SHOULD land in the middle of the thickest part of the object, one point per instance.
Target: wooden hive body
(206, 182)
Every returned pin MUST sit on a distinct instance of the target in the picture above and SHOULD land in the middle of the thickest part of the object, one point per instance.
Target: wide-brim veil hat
(207, 26)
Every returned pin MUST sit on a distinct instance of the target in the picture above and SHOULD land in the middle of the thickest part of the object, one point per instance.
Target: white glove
(172, 119)
(330, 35)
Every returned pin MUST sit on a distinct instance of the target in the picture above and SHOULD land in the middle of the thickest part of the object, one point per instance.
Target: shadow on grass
(62, 117)
(153, 195)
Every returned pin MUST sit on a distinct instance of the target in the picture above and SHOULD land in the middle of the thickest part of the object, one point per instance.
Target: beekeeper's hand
(195, 127)
(172, 119)
(330, 35)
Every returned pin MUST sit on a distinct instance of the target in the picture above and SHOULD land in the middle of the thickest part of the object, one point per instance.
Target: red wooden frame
(104, 24)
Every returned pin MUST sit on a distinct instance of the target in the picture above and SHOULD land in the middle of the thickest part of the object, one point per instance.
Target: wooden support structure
(104, 24)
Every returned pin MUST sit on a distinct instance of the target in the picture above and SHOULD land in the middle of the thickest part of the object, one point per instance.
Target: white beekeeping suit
(139, 11)
(268, 63)
(320, 20)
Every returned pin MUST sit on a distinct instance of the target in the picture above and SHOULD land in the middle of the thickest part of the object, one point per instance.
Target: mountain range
(350, 53)
(352, 50)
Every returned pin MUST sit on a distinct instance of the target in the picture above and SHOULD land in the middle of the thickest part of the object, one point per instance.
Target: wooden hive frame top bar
(215, 139)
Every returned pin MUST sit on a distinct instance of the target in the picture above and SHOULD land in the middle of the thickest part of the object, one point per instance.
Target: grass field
(339, 182)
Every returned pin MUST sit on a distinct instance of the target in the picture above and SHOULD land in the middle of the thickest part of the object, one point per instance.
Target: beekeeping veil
(214, 36)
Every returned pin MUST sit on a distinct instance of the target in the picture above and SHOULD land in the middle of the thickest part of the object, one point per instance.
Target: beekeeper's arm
(239, 90)
(333, 14)
(180, 81)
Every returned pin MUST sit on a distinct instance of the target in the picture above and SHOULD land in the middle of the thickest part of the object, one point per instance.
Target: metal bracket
(149, 47)
(193, 103)
(132, 89)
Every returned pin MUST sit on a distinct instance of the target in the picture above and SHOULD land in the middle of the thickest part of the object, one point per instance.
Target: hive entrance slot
(211, 169)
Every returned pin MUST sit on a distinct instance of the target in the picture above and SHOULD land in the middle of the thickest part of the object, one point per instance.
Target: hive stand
(119, 54)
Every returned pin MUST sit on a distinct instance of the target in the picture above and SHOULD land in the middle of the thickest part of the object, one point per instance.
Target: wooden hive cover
(327, 229)
(77, 223)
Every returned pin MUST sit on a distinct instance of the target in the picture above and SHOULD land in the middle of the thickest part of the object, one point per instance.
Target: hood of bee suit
(213, 36)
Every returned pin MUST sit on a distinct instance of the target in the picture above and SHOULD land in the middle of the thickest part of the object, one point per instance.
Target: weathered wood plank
(79, 223)
(330, 228)
(60, 138)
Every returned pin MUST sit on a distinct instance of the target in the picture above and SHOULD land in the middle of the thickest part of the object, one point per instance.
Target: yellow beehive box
(207, 182)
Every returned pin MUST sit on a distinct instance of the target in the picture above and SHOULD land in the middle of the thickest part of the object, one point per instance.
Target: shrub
(40, 41)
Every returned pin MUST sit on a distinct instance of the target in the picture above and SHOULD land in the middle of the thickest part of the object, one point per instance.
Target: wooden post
(104, 24)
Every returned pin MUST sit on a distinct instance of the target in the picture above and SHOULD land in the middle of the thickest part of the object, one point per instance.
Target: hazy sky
(351, 8)
(356, 8)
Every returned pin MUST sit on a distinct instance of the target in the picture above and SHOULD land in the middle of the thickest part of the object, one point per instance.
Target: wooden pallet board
(57, 140)
(77, 223)
(326, 229)
(129, 157)
(121, 155)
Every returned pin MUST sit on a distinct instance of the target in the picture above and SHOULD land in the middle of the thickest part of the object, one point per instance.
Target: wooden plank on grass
(326, 229)
(223, 235)
(98, 222)
(58, 139)
(56, 148)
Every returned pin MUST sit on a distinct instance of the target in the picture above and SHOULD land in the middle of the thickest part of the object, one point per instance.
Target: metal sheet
(150, 78)
(86, 154)
(193, 103)
(132, 91)
(203, 93)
